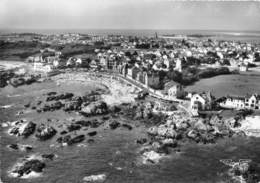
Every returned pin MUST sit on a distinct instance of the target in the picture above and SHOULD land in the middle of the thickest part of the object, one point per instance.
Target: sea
(236, 35)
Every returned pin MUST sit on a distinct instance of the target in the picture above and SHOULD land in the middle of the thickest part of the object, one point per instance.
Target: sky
(130, 14)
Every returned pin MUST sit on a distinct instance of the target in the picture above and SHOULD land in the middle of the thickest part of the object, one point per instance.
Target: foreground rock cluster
(87, 105)
(31, 165)
(10, 77)
(176, 130)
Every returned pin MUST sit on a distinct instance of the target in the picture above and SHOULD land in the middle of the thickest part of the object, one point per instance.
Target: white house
(243, 67)
(233, 102)
(178, 66)
(201, 102)
(253, 102)
(238, 102)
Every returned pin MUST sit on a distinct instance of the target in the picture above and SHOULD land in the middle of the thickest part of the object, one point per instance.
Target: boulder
(23, 129)
(165, 131)
(15, 82)
(200, 125)
(169, 142)
(45, 132)
(93, 123)
(92, 133)
(114, 124)
(182, 125)
(76, 139)
(193, 134)
(153, 130)
(72, 105)
(127, 126)
(28, 166)
(48, 156)
(95, 178)
(95, 108)
(69, 140)
(141, 141)
(73, 127)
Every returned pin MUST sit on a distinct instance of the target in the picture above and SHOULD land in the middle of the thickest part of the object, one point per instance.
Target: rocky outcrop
(114, 124)
(20, 147)
(28, 166)
(127, 126)
(68, 140)
(92, 133)
(23, 129)
(95, 108)
(90, 123)
(4, 77)
(62, 96)
(45, 132)
(73, 127)
(21, 80)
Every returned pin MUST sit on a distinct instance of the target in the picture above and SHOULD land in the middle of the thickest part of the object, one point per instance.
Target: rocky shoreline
(164, 135)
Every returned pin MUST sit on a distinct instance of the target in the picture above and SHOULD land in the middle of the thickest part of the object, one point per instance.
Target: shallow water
(114, 152)
(238, 84)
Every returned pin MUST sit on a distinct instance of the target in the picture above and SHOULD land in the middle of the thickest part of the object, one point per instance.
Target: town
(161, 65)
(81, 85)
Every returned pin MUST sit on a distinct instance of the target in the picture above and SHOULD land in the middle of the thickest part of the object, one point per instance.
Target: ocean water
(251, 36)
(114, 152)
(234, 84)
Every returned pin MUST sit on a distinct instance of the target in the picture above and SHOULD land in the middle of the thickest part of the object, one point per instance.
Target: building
(239, 102)
(200, 102)
(178, 66)
(243, 67)
(233, 102)
(174, 89)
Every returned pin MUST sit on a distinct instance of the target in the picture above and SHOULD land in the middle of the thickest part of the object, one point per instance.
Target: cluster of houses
(239, 102)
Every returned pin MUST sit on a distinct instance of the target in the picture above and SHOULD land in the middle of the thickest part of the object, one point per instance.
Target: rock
(72, 105)
(90, 141)
(153, 130)
(45, 132)
(207, 138)
(56, 106)
(114, 124)
(95, 178)
(93, 123)
(28, 166)
(15, 82)
(51, 93)
(69, 140)
(199, 125)
(76, 139)
(60, 97)
(92, 133)
(239, 134)
(63, 132)
(95, 108)
(183, 125)
(20, 147)
(73, 127)
(141, 141)
(169, 142)
(152, 157)
(23, 129)
(192, 134)
(48, 156)
(27, 105)
(129, 127)
(14, 146)
(115, 109)
(166, 131)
